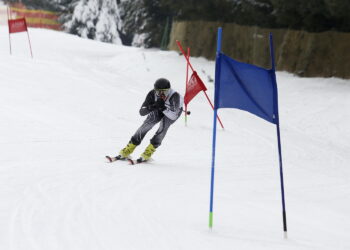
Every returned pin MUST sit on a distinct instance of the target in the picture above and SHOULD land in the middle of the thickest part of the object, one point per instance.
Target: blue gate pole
(217, 84)
(284, 215)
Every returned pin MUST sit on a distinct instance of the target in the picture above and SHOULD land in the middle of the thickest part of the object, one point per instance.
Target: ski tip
(131, 162)
(112, 159)
(109, 158)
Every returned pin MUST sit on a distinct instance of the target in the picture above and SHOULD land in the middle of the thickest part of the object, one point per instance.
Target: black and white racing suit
(173, 110)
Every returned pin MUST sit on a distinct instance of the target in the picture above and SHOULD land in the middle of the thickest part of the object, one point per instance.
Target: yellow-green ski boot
(147, 154)
(125, 152)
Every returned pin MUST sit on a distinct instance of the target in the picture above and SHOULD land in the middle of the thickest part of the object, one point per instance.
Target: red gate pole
(188, 56)
(8, 18)
(222, 126)
(188, 62)
(30, 45)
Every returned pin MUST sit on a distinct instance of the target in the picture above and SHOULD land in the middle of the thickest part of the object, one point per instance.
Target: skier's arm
(144, 111)
(173, 111)
(146, 107)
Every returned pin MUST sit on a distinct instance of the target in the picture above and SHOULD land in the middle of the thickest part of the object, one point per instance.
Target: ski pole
(187, 112)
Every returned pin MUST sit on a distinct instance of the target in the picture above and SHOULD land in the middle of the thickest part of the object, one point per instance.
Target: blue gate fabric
(246, 87)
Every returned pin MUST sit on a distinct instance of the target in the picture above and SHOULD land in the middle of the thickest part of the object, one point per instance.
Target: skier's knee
(155, 143)
(135, 141)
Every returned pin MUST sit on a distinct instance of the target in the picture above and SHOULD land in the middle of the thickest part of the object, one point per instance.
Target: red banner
(193, 87)
(17, 25)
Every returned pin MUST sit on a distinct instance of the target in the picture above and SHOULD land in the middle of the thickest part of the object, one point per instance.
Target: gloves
(160, 104)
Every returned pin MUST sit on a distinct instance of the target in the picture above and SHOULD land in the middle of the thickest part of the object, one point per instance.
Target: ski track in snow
(78, 101)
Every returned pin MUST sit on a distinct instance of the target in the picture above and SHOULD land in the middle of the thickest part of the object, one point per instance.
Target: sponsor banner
(36, 18)
(35, 13)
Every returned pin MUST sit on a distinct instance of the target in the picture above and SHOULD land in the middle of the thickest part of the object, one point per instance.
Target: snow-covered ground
(78, 100)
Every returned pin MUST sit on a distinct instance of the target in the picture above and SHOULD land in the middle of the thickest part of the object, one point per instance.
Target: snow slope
(78, 100)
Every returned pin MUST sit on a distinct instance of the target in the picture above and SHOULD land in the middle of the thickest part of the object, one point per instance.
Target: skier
(163, 105)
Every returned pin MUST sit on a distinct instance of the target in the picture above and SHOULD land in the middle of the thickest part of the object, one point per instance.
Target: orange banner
(36, 18)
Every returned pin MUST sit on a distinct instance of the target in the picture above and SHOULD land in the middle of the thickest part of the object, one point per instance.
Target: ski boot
(125, 152)
(146, 155)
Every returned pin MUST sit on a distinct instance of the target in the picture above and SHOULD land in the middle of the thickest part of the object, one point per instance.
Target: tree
(143, 22)
(134, 17)
(94, 19)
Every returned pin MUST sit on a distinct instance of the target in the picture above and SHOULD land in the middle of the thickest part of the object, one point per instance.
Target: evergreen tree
(134, 17)
(339, 9)
(312, 15)
(142, 22)
(94, 19)
(109, 22)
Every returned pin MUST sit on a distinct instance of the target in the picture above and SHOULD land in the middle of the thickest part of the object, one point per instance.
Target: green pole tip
(211, 220)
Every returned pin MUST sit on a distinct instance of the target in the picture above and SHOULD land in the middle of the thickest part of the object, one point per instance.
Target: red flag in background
(17, 25)
(193, 87)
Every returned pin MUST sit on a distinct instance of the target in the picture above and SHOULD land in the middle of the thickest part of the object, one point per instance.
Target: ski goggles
(162, 92)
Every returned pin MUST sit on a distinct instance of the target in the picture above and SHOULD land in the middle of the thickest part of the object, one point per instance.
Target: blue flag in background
(246, 87)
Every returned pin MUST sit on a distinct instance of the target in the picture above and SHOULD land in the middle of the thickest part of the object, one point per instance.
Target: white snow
(78, 101)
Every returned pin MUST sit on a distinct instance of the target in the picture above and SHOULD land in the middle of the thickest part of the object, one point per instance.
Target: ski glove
(160, 104)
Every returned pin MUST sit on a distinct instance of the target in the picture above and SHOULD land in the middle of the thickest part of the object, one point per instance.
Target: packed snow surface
(77, 100)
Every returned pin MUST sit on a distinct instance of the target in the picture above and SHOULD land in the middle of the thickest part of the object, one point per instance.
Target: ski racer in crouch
(162, 105)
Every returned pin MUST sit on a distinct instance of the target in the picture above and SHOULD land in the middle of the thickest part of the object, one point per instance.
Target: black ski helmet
(162, 83)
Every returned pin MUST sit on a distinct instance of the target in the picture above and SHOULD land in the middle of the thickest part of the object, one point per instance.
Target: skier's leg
(152, 119)
(157, 138)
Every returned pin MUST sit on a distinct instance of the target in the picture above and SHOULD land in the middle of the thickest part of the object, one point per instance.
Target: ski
(113, 159)
(138, 161)
(119, 158)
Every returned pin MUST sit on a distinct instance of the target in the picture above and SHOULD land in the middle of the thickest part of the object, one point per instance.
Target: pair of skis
(119, 158)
